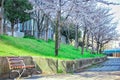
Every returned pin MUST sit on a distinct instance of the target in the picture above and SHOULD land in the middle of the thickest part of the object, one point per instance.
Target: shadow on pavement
(34, 77)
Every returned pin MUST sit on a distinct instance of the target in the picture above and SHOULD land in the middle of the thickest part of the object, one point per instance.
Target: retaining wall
(53, 66)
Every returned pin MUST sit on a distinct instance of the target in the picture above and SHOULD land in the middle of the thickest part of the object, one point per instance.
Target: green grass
(11, 46)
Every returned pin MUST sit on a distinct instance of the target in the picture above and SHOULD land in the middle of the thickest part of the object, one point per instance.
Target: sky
(116, 11)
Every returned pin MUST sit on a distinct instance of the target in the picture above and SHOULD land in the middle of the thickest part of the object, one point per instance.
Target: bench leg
(30, 71)
(11, 76)
(20, 73)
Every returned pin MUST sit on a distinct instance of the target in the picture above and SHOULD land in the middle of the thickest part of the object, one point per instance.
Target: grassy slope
(10, 46)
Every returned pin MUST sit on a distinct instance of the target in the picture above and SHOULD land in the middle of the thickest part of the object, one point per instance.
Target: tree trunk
(38, 25)
(68, 40)
(17, 25)
(100, 50)
(57, 34)
(58, 30)
(4, 26)
(38, 30)
(92, 51)
(59, 24)
(33, 27)
(12, 28)
(30, 28)
(46, 25)
(56, 39)
(68, 35)
(87, 42)
(1, 27)
(23, 27)
(97, 47)
(84, 35)
(39, 34)
(2, 16)
(76, 36)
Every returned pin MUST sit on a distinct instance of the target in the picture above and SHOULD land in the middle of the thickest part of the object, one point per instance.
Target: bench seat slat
(12, 59)
(16, 67)
(15, 62)
(22, 66)
(29, 66)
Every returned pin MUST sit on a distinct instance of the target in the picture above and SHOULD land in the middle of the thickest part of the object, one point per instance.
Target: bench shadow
(34, 77)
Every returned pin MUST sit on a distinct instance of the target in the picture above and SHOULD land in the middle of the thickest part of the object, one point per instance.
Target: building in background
(112, 52)
(112, 44)
(113, 48)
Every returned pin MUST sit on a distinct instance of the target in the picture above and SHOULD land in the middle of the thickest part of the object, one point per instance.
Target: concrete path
(112, 64)
(109, 70)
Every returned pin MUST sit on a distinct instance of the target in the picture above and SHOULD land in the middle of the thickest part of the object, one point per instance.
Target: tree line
(70, 18)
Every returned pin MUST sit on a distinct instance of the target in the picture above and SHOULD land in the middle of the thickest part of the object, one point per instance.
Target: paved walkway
(109, 70)
(112, 64)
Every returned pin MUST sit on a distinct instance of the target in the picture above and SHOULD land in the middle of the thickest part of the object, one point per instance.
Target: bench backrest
(15, 63)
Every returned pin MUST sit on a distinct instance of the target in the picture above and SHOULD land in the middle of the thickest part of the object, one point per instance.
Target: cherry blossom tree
(83, 13)
(104, 28)
(56, 9)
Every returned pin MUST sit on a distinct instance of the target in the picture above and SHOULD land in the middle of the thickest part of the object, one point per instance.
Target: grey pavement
(112, 64)
(108, 70)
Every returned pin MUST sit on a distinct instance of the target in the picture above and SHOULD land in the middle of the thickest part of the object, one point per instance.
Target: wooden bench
(16, 64)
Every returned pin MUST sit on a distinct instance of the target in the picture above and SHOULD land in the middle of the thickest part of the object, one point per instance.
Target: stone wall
(4, 68)
(72, 66)
(53, 66)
